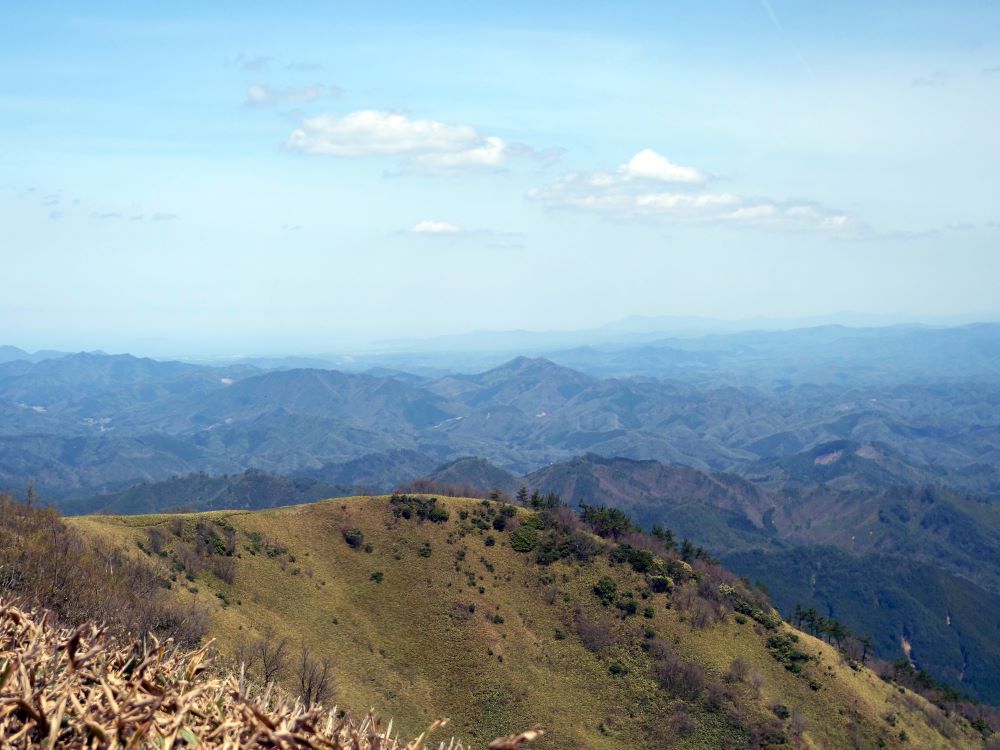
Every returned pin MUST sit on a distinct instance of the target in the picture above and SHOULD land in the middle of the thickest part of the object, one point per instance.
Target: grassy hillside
(783, 539)
(423, 616)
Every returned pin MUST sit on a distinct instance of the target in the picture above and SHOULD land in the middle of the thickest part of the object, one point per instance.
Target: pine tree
(687, 551)
(665, 535)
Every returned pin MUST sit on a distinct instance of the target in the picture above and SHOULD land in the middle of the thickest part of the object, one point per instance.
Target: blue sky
(297, 177)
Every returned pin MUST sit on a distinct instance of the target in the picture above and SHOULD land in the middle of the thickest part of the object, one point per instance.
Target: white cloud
(260, 95)
(491, 154)
(648, 164)
(425, 145)
(453, 235)
(650, 185)
(369, 132)
(429, 226)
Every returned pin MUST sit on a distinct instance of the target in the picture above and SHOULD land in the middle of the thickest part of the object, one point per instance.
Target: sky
(271, 178)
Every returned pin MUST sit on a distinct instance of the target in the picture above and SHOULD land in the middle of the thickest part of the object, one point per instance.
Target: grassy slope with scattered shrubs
(504, 618)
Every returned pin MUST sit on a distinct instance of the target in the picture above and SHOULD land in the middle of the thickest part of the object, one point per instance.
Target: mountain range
(86, 423)
(838, 467)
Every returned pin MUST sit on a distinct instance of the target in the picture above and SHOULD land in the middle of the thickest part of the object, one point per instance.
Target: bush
(157, 539)
(437, 514)
(355, 538)
(44, 561)
(681, 722)
(783, 649)
(215, 540)
(378, 576)
(761, 612)
(701, 614)
(628, 606)
(606, 590)
(593, 635)
(641, 560)
(224, 568)
(682, 678)
(660, 584)
(407, 506)
(738, 671)
(524, 539)
(606, 522)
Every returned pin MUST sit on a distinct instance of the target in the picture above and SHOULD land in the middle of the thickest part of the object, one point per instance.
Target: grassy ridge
(469, 631)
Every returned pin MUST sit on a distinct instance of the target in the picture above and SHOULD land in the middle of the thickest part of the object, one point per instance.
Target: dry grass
(426, 641)
(83, 688)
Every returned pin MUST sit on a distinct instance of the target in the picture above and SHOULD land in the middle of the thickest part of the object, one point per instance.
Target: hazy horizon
(630, 329)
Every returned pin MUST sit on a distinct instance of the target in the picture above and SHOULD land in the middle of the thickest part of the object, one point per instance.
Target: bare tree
(157, 539)
(224, 568)
(245, 653)
(272, 653)
(315, 676)
(738, 671)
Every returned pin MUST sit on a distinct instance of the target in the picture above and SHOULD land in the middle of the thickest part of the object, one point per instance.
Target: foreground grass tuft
(83, 688)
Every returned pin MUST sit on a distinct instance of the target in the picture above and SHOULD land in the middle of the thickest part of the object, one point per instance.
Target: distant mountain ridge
(250, 490)
(168, 418)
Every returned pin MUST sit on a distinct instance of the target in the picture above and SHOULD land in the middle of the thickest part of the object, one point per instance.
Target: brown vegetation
(48, 564)
(83, 688)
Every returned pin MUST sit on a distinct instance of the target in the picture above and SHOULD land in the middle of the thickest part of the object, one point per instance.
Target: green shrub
(524, 539)
(378, 576)
(783, 649)
(641, 560)
(605, 590)
(606, 522)
(407, 506)
(355, 538)
(762, 614)
(627, 606)
(660, 584)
